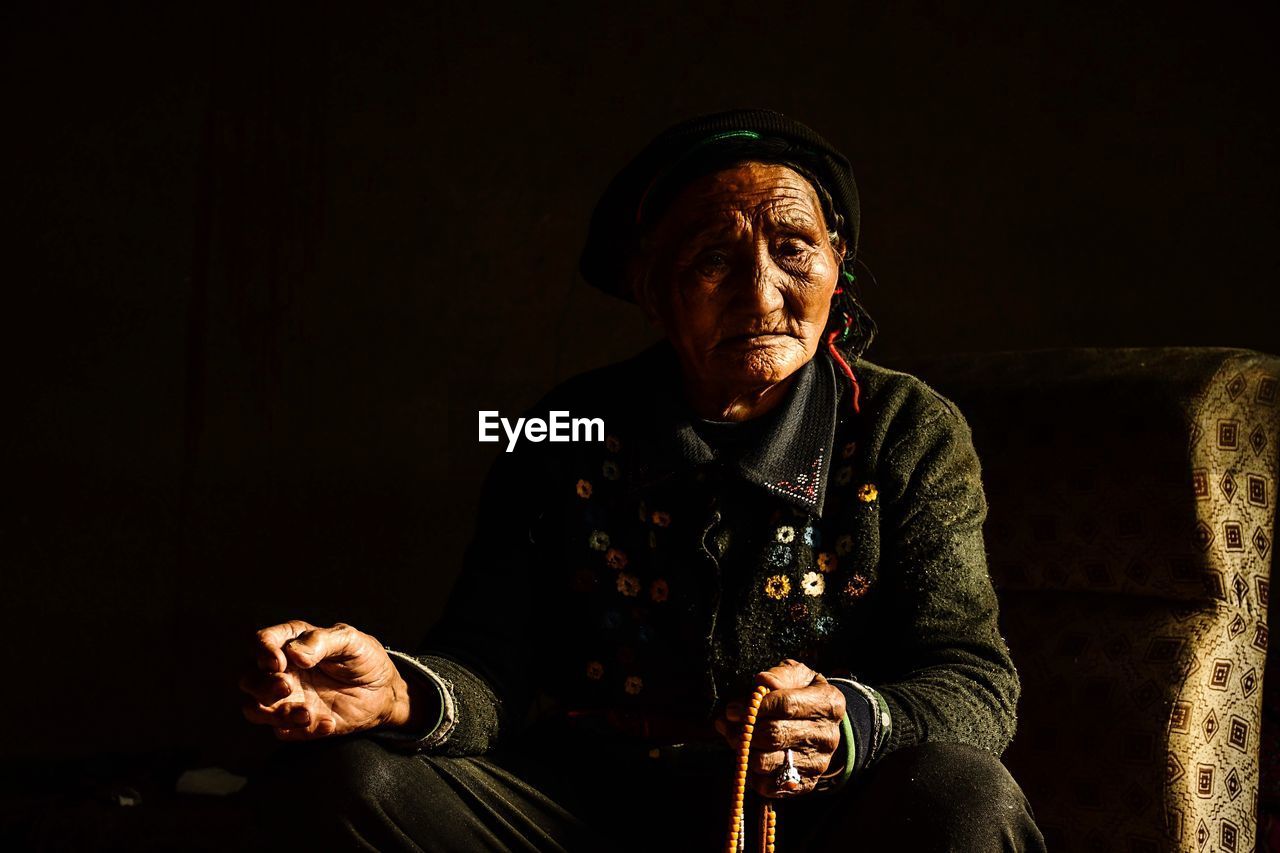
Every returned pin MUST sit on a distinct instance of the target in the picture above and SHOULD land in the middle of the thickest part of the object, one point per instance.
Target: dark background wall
(266, 261)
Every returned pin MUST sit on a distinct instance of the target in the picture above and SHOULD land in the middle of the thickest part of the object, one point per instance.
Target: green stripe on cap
(732, 134)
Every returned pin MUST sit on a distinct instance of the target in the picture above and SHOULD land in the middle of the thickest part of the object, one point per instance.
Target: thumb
(312, 647)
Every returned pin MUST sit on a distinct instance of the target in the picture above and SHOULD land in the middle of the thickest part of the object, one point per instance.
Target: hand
(314, 682)
(801, 712)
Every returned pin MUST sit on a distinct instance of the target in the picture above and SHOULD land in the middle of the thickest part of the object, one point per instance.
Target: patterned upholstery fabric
(1130, 537)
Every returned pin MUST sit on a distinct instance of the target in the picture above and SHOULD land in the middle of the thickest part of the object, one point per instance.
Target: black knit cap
(638, 193)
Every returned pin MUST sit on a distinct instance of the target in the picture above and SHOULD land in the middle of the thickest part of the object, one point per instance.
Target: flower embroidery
(598, 540)
(799, 611)
(777, 586)
(824, 624)
(634, 684)
(856, 587)
(610, 619)
(610, 470)
(786, 534)
(660, 518)
(584, 489)
(628, 585)
(868, 492)
(844, 545)
(658, 590)
(612, 444)
(844, 475)
(813, 583)
(595, 670)
(847, 451)
(721, 541)
(812, 537)
(615, 559)
(827, 562)
(779, 556)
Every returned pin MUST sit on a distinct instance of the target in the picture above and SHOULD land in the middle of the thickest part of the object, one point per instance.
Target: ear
(838, 246)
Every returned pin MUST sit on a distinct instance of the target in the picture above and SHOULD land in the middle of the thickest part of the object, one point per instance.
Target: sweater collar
(790, 459)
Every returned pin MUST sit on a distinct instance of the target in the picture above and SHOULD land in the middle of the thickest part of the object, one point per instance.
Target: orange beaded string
(768, 817)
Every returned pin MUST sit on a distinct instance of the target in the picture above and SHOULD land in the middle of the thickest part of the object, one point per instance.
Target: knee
(339, 783)
(362, 772)
(951, 796)
(952, 777)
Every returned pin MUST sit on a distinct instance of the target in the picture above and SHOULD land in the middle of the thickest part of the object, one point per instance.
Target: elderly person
(770, 520)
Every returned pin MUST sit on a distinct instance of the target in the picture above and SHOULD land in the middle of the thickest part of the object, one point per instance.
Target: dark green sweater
(642, 578)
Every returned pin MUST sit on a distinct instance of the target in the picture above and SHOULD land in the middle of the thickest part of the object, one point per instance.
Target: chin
(766, 365)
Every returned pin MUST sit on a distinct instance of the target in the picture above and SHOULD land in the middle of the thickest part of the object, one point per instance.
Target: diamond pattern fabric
(1132, 504)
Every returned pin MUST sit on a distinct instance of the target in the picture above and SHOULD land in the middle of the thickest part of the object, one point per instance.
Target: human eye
(792, 248)
(712, 264)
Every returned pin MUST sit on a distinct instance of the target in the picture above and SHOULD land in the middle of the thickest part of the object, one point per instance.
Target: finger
(311, 647)
(787, 675)
(815, 702)
(807, 761)
(266, 687)
(284, 714)
(765, 786)
(294, 713)
(777, 735)
(268, 643)
(765, 762)
(293, 733)
(318, 727)
(253, 712)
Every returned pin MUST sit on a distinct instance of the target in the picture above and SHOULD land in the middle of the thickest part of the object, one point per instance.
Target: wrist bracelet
(880, 716)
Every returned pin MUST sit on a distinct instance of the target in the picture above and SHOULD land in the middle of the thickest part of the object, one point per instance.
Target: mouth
(753, 340)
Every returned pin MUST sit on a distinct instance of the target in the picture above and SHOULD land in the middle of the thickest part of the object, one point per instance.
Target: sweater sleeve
(856, 737)
(943, 669)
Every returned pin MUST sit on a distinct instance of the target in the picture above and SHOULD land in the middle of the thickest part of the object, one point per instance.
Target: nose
(761, 288)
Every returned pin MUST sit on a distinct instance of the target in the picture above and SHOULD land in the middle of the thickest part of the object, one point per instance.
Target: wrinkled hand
(801, 712)
(312, 682)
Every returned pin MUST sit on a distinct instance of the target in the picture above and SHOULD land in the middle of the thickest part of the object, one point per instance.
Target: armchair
(1131, 529)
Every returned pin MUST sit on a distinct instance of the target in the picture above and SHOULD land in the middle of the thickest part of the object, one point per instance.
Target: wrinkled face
(741, 277)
